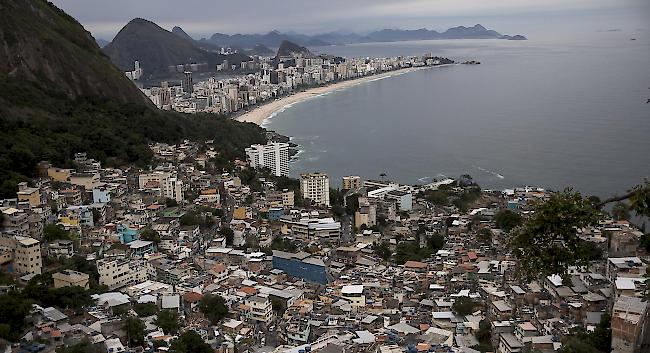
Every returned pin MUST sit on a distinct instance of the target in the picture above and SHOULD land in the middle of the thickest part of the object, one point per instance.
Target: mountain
(201, 45)
(157, 49)
(181, 33)
(338, 37)
(59, 94)
(288, 48)
(460, 32)
(75, 66)
(476, 32)
(272, 39)
(261, 50)
(515, 37)
(153, 46)
(101, 42)
(275, 38)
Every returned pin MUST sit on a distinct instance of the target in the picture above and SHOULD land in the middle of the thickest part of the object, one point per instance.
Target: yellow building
(239, 213)
(27, 194)
(69, 278)
(88, 181)
(351, 182)
(58, 174)
(25, 252)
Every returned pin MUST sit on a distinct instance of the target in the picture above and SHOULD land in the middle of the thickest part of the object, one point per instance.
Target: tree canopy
(548, 243)
(168, 321)
(190, 342)
(213, 307)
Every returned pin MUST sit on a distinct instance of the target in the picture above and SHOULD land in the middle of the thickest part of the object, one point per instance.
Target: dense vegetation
(460, 194)
(213, 307)
(463, 306)
(190, 342)
(597, 341)
(52, 128)
(77, 101)
(548, 242)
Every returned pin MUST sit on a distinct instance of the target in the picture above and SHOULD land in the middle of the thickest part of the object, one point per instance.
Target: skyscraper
(274, 156)
(187, 85)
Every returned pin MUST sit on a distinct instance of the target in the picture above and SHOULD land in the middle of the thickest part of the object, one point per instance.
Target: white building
(354, 293)
(117, 273)
(274, 156)
(170, 186)
(316, 187)
(260, 309)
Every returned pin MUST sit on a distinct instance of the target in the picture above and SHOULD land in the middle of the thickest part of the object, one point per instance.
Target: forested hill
(59, 94)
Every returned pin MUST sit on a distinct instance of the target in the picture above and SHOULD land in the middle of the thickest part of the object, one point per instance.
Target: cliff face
(43, 46)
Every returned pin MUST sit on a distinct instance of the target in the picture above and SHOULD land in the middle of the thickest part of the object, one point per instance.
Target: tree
(170, 202)
(145, 309)
(382, 250)
(134, 329)
(484, 336)
(507, 220)
(484, 235)
(85, 346)
(213, 307)
(190, 342)
(278, 306)
(228, 233)
(13, 311)
(548, 243)
(621, 211)
(463, 306)
(150, 235)
(167, 320)
(53, 232)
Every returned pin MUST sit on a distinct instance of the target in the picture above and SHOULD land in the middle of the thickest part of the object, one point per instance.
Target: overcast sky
(203, 17)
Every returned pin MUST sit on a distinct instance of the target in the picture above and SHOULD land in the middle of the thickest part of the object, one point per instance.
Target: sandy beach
(266, 110)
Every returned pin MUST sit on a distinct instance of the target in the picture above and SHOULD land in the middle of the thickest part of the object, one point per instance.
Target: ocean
(538, 113)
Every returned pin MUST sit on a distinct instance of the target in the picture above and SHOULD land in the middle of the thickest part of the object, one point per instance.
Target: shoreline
(266, 110)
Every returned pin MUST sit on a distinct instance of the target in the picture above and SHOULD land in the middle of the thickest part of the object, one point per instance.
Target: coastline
(265, 111)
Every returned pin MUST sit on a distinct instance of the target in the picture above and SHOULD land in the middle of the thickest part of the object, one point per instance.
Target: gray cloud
(202, 18)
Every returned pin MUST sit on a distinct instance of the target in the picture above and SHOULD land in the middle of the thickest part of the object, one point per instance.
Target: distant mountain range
(275, 38)
(158, 49)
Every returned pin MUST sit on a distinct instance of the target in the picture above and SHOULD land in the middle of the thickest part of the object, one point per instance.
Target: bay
(554, 114)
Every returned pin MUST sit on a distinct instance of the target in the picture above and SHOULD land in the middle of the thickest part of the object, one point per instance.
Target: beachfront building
(274, 156)
(351, 182)
(316, 187)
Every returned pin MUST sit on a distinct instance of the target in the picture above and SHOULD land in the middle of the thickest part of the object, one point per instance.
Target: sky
(201, 18)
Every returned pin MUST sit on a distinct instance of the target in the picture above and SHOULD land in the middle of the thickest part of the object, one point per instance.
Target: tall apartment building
(351, 182)
(117, 273)
(25, 253)
(274, 156)
(187, 84)
(316, 187)
(170, 186)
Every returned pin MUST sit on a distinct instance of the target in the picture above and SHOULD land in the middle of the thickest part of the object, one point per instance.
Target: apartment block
(316, 187)
(274, 156)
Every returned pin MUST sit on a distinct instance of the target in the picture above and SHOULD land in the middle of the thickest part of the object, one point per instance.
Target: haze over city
(203, 18)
